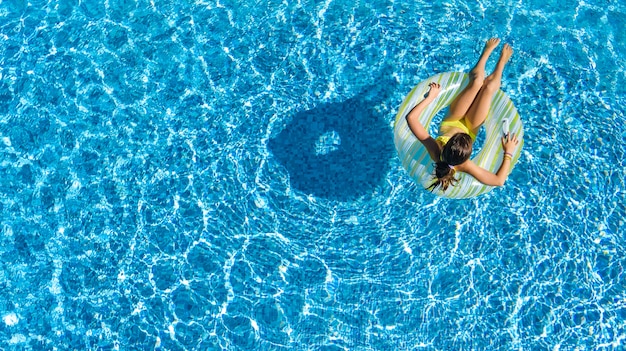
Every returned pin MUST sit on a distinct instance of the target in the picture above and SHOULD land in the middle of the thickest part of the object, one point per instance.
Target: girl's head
(456, 151)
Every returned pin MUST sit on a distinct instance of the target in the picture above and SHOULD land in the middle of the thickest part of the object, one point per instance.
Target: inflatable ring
(502, 118)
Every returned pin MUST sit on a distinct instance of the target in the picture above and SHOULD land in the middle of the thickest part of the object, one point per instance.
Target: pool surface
(221, 175)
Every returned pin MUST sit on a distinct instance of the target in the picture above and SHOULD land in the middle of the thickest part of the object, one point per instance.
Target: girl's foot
(477, 74)
(490, 45)
(493, 80)
(505, 56)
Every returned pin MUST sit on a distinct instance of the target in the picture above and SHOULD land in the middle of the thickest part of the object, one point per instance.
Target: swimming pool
(221, 175)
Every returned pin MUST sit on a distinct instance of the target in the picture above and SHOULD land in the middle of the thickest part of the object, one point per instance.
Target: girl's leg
(478, 111)
(462, 103)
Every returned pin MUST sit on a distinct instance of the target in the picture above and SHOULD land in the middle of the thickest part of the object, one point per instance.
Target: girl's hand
(433, 91)
(509, 142)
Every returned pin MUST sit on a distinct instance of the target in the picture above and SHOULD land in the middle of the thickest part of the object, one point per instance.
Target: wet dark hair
(456, 151)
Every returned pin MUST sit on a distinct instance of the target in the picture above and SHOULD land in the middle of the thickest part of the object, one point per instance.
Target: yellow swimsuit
(460, 124)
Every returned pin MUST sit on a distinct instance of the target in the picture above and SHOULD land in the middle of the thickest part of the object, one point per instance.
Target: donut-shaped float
(502, 118)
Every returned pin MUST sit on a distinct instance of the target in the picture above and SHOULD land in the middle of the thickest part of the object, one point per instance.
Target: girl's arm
(418, 129)
(484, 176)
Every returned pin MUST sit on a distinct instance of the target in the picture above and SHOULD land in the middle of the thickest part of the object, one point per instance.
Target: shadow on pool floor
(339, 150)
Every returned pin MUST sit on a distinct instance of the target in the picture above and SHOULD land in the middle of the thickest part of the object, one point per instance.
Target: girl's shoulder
(468, 166)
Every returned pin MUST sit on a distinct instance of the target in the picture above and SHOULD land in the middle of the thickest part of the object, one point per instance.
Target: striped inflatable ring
(502, 118)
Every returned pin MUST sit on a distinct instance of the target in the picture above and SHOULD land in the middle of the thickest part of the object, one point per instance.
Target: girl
(451, 150)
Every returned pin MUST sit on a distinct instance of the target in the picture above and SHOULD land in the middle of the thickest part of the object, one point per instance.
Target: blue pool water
(180, 175)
